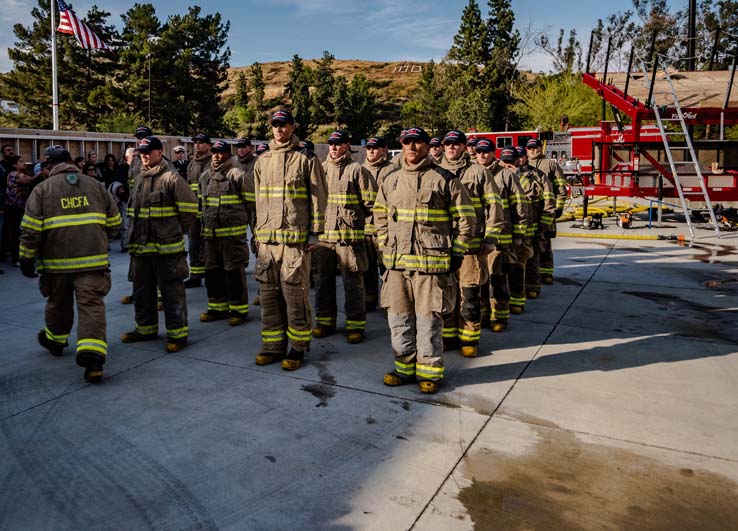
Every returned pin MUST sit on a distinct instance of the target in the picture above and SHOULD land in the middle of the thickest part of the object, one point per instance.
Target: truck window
(504, 141)
(523, 140)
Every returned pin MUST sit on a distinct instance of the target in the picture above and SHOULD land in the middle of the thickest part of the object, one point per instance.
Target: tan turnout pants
(89, 289)
(415, 305)
(283, 272)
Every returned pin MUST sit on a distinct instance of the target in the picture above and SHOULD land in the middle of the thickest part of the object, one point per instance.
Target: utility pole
(692, 36)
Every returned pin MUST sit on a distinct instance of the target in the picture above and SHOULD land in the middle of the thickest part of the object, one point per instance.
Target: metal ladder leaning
(692, 161)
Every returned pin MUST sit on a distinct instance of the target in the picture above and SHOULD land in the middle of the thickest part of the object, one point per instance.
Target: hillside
(394, 82)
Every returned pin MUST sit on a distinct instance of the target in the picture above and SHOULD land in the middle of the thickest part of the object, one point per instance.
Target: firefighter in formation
(460, 239)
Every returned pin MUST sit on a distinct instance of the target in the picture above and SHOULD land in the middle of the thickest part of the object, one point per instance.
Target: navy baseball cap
(149, 144)
(201, 137)
(221, 147)
(52, 149)
(454, 137)
(376, 142)
(261, 148)
(306, 144)
(509, 155)
(143, 132)
(243, 142)
(485, 146)
(338, 137)
(521, 151)
(472, 141)
(414, 133)
(435, 142)
(282, 116)
(533, 143)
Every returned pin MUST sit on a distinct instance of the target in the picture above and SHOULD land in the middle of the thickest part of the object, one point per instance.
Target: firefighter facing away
(66, 228)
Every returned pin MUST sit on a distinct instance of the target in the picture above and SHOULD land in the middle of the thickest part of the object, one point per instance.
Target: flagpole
(54, 88)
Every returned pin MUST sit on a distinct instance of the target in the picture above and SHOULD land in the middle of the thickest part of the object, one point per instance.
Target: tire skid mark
(91, 482)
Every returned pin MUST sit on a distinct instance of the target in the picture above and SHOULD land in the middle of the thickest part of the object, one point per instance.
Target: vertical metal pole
(54, 84)
(653, 58)
(589, 51)
(630, 67)
(692, 36)
(604, 76)
(149, 58)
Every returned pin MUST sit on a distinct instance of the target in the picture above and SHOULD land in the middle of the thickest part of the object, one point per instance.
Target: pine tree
(501, 71)
(298, 92)
(83, 92)
(322, 107)
(340, 102)
(242, 91)
(362, 109)
(258, 85)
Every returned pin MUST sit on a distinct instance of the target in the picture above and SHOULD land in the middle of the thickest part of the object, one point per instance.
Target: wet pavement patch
(565, 483)
(322, 392)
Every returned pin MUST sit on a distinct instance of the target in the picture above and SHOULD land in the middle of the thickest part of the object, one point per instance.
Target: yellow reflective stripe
(57, 338)
(299, 335)
(95, 345)
(411, 261)
(547, 220)
(458, 246)
(355, 325)
(281, 236)
(380, 206)
(549, 195)
(428, 372)
(342, 199)
(238, 230)
(183, 206)
(463, 210)
(197, 270)
(404, 368)
(449, 332)
(469, 335)
(343, 235)
(89, 218)
(80, 262)
(272, 336)
(114, 220)
(240, 308)
(476, 202)
(147, 329)
(493, 199)
(218, 306)
(547, 270)
(500, 314)
(326, 321)
(26, 252)
(248, 196)
(518, 198)
(159, 212)
(178, 333)
(32, 223)
(194, 187)
(280, 191)
(157, 248)
(517, 301)
(368, 195)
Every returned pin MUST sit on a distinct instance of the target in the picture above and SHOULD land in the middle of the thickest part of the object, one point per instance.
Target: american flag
(69, 23)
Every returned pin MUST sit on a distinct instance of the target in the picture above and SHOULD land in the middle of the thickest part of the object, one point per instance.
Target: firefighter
(351, 194)
(195, 169)
(261, 148)
(135, 165)
(555, 174)
(246, 158)
(68, 222)
(425, 223)
(463, 325)
(162, 209)
(379, 166)
(290, 205)
(436, 150)
(226, 193)
(471, 146)
(510, 233)
(181, 162)
(542, 204)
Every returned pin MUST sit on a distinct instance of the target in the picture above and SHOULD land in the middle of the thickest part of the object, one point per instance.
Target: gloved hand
(254, 245)
(456, 260)
(28, 268)
(559, 212)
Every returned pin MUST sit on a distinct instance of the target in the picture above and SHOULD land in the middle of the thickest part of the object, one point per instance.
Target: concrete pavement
(609, 404)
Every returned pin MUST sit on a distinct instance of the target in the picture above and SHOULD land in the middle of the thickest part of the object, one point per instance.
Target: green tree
(323, 110)
(261, 127)
(298, 92)
(362, 109)
(82, 75)
(566, 55)
(541, 103)
(191, 67)
(242, 90)
(501, 69)
(340, 102)
(428, 108)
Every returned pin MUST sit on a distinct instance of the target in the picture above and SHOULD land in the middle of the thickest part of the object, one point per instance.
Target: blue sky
(381, 30)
